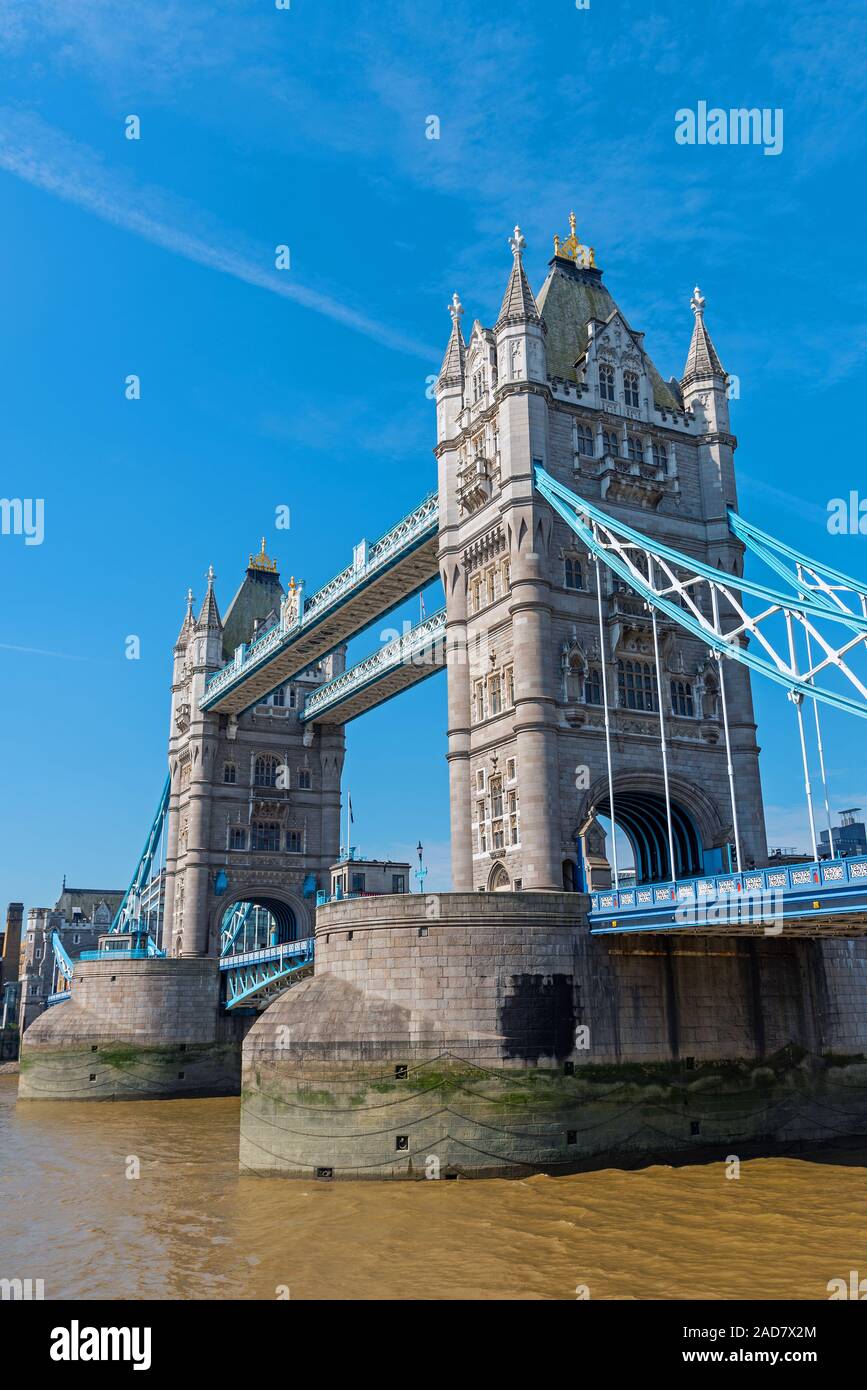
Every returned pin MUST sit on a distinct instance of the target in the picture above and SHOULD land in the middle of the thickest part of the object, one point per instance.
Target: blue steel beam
(238, 921)
(252, 973)
(124, 918)
(571, 507)
(766, 546)
(62, 958)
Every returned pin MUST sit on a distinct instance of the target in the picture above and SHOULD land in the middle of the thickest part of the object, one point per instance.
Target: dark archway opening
(642, 818)
(257, 923)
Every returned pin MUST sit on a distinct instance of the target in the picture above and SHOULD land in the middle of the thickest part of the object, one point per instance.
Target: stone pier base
(134, 1030)
(490, 1036)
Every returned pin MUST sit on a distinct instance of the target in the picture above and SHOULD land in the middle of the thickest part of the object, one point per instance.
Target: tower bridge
(606, 608)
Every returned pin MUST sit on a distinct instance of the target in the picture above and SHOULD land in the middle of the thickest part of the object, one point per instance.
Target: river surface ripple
(191, 1227)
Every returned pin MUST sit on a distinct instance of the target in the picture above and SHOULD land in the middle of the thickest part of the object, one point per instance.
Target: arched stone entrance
(640, 813)
(278, 916)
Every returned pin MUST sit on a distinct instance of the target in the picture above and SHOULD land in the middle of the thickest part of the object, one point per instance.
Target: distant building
(9, 964)
(850, 836)
(80, 917)
(368, 877)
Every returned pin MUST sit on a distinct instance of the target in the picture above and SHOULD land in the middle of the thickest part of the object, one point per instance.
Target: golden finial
(261, 561)
(571, 249)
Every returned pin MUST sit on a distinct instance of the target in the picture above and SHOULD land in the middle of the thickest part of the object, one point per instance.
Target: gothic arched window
(265, 770)
(630, 388)
(610, 443)
(229, 774)
(682, 702)
(584, 435)
(635, 448)
(266, 835)
(499, 880)
(574, 572)
(593, 686)
(660, 458)
(606, 381)
(636, 685)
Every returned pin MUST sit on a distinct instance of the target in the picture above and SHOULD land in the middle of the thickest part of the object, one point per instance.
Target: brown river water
(191, 1227)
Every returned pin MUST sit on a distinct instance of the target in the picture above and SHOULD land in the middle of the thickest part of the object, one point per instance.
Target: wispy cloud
(40, 651)
(45, 157)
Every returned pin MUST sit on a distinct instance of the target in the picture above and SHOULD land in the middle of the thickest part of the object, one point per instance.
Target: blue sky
(308, 387)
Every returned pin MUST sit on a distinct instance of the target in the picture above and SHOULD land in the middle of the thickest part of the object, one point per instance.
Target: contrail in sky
(41, 155)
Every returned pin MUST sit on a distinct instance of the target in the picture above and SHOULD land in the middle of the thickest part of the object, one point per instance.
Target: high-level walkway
(408, 660)
(397, 566)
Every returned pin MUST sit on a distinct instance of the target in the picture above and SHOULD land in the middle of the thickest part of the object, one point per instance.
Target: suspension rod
(798, 700)
(725, 714)
(663, 742)
(604, 661)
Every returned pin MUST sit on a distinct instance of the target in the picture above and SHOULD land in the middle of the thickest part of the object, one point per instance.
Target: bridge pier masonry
(135, 1030)
(458, 1034)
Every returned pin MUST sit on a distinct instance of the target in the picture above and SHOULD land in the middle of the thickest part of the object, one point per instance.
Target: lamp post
(421, 871)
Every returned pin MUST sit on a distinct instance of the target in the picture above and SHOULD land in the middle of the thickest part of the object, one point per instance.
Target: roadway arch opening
(253, 923)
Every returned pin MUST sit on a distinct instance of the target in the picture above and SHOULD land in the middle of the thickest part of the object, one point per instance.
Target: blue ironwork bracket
(257, 972)
(567, 504)
(123, 915)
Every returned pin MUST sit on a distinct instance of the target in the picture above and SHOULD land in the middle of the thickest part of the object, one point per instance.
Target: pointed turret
(209, 618)
(519, 304)
(702, 362)
(451, 380)
(188, 624)
(705, 394)
(452, 370)
(519, 330)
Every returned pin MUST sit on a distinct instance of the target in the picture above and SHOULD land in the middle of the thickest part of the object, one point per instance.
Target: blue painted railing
(139, 953)
(422, 647)
(251, 973)
(782, 878)
(417, 527)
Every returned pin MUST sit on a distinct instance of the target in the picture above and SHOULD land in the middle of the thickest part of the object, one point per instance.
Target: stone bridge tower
(254, 809)
(565, 381)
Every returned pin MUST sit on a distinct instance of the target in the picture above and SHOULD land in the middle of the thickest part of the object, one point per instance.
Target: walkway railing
(784, 879)
(266, 971)
(369, 560)
(418, 647)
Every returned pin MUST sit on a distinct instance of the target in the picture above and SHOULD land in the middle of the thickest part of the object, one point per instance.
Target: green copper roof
(260, 594)
(569, 298)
